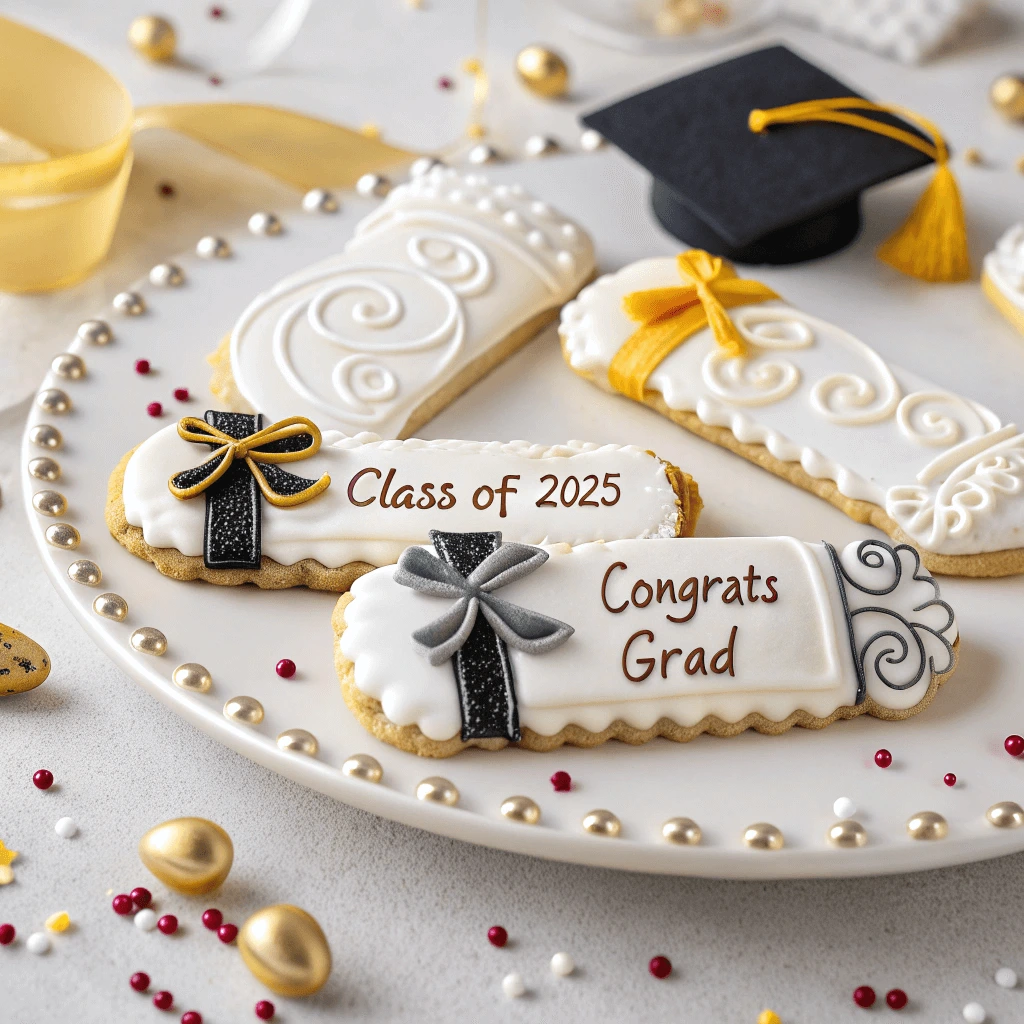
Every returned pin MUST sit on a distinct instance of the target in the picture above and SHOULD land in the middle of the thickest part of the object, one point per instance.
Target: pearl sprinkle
(373, 186)
(844, 807)
(1006, 977)
(512, 985)
(38, 943)
(974, 1013)
(66, 828)
(145, 920)
(562, 965)
(265, 224)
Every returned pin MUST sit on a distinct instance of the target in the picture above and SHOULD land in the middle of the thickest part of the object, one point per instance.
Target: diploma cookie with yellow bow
(728, 359)
(233, 498)
(1002, 276)
(444, 280)
(478, 642)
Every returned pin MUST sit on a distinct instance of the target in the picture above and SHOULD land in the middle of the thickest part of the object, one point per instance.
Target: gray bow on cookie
(519, 627)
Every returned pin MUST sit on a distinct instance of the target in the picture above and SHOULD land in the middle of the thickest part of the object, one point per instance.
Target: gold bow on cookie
(668, 316)
(290, 440)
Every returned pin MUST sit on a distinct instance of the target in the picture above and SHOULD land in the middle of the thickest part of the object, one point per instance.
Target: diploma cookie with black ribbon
(481, 644)
(444, 280)
(728, 359)
(233, 499)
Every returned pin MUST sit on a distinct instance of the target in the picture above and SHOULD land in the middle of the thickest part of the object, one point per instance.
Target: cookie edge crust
(270, 575)
(988, 565)
(410, 738)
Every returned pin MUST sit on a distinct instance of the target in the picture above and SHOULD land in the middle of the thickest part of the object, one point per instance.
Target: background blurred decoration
(543, 71)
(286, 950)
(909, 30)
(23, 663)
(153, 37)
(1007, 95)
(189, 855)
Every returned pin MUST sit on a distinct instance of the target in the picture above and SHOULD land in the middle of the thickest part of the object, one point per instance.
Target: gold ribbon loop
(191, 428)
(669, 316)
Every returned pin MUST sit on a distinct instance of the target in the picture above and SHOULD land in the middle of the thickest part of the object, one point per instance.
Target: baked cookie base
(410, 738)
(988, 564)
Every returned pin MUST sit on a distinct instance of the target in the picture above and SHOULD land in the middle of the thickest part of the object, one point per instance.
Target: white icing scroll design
(850, 399)
(452, 258)
(758, 379)
(940, 419)
(932, 515)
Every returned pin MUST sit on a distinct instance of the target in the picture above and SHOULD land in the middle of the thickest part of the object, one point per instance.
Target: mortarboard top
(782, 195)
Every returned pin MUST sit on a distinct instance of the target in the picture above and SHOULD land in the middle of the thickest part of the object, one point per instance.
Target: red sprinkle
(142, 366)
(215, 80)
(562, 781)
(444, 82)
(949, 779)
(181, 394)
(139, 981)
(163, 1000)
(285, 668)
(7, 934)
(265, 1009)
(122, 904)
(497, 936)
(141, 897)
(212, 919)
(227, 932)
(896, 998)
(168, 924)
(191, 1017)
(660, 966)
(1014, 745)
(43, 779)
(216, 12)
(864, 995)
(155, 409)
(166, 189)
(883, 758)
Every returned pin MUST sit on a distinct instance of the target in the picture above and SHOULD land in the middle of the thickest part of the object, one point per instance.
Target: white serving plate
(725, 785)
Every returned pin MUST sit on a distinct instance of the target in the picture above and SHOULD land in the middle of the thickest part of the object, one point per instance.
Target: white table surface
(406, 912)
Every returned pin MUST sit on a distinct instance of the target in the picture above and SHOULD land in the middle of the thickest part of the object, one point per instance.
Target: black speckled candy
(483, 673)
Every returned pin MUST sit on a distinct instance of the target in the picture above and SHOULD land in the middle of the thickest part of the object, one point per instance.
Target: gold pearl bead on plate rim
(167, 275)
(42, 435)
(602, 823)
(373, 186)
(927, 826)
(50, 503)
(264, 223)
(44, 468)
(363, 766)
(1006, 94)
(762, 835)
(153, 37)
(192, 676)
(521, 809)
(483, 154)
(682, 832)
(1005, 814)
(437, 790)
(68, 365)
(129, 303)
(247, 710)
(319, 200)
(111, 606)
(86, 572)
(299, 741)
(847, 835)
(54, 400)
(210, 247)
(96, 332)
(63, 536)
(149, 640)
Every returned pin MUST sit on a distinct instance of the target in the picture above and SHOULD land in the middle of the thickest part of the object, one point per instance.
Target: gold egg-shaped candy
(69, 366)
(1007, 96)
(927, 825)
(543, 71)
(53, 400)
(111, 606)
(23, 663)
(190, 855)
(1005, 814)
(682, 832)
(45, 436)
(86, 572)
(153, 37)
(63, 535)
(44, 468)
(149, 640)
(286, 950)
(763, 836)
(50, 503)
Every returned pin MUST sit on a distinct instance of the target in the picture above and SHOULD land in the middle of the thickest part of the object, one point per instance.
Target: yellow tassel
(932, 244)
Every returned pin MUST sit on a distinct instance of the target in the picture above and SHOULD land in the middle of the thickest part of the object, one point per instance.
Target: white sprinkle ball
(38, 943)
(145, 920)
(66, 828)
(974, 1013)
(844, 807)
(562, 964)
(512, 985)
(1006, 977)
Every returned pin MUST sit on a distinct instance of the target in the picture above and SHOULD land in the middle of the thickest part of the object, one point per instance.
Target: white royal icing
(814, 394)
(633, 495)
(1004, 266)
(445, 269)
(793, 653)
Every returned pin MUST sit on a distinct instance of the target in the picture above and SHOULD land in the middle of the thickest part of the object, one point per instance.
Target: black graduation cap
(788, 188)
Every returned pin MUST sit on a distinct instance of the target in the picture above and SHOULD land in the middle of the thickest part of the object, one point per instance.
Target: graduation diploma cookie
(233, 498)
(479, 642)
(811, 403)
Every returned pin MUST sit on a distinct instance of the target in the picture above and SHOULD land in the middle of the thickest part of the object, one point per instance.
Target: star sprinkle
(6, 871)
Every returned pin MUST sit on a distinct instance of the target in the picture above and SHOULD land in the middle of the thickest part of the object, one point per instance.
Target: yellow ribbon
(58, 214)
(932, 242)
(191, 428)
(668, 316)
